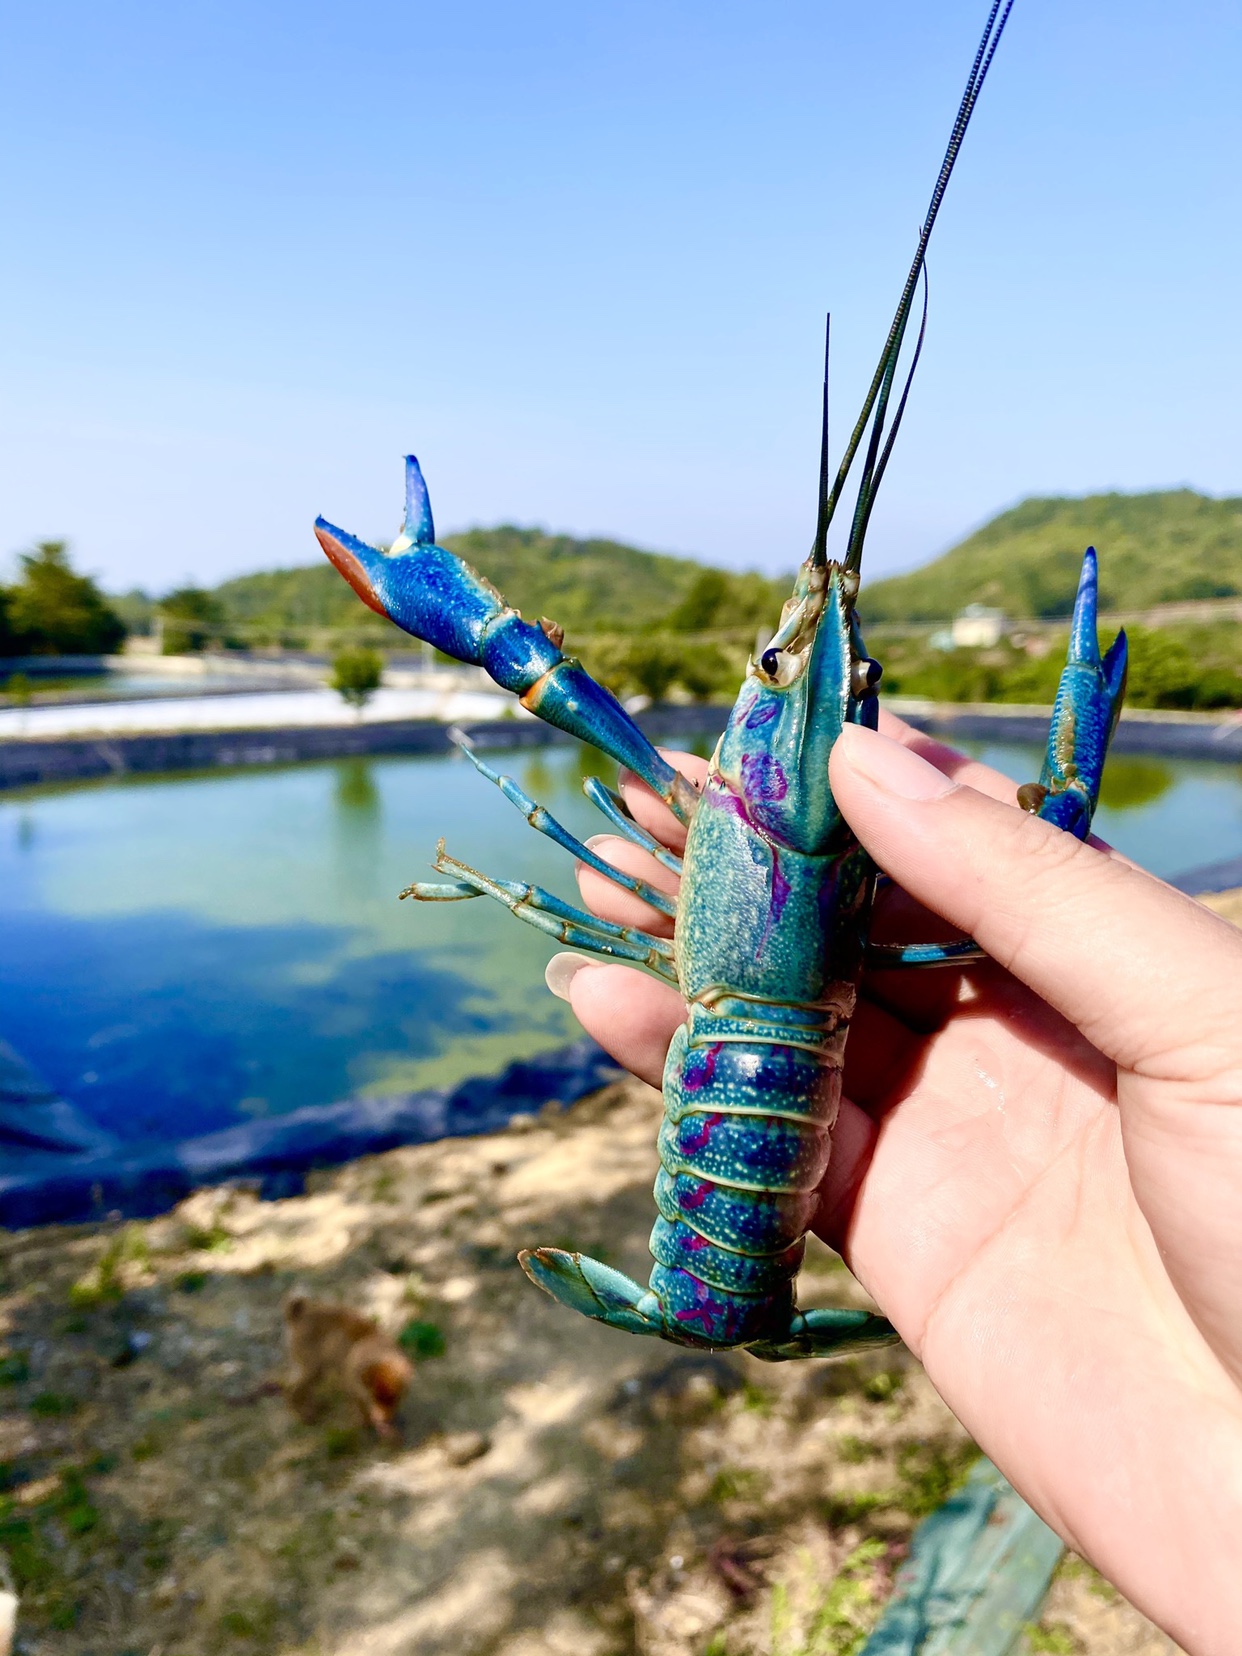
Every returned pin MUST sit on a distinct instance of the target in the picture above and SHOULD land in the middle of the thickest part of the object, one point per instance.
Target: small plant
(211, 1238)
(14, 1369)
(422, 1340)
(929, 1474)
(755, 1399)
(356, 675)
(880, 1387)
(32, 1536)
(1051, 1639)
(733, 1483)
(840, 1511)
(846, 1613)
(51, 1405)
(105, 1282)
(73, 1504)
(384, 1186)
(254, 1618)
(854, 1450)
(192, 1282)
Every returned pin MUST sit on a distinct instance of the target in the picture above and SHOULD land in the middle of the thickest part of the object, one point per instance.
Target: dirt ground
(557, 1488)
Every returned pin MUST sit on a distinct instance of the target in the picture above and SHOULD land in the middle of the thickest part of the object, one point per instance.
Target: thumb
(1149, 976)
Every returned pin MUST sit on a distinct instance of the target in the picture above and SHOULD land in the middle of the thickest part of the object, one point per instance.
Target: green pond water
(178, 953)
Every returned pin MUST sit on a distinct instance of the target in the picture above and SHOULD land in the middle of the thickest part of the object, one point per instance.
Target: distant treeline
(645, 622)
(1183, 665)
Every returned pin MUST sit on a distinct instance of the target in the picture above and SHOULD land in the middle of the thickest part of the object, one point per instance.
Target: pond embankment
(28, 758)
(556, 1489)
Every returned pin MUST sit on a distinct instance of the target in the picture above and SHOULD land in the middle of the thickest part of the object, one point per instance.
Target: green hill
(589, 586)
(1154, 549)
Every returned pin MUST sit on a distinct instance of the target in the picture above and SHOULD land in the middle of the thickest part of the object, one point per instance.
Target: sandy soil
(1228, 903)
(558, 1488)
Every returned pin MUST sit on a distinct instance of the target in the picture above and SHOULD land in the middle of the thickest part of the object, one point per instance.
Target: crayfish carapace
(773, 913)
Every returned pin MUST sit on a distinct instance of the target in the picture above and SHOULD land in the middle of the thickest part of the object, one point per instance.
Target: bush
(357, 675)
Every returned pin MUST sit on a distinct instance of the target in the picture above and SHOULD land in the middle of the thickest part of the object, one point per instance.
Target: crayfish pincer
(773, 914)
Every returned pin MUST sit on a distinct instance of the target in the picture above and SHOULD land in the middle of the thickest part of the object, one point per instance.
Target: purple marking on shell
(723, 798)
(700, 1067)
(780, 891)
(692, 1199)
(698, 1136)
(763, 712)
(691, 1241)
(763, 777)
(707, 1311)
(697, 1313)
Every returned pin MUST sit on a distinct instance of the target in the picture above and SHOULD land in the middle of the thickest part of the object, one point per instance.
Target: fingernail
(561, 971)
(596, 840)
(892, 767)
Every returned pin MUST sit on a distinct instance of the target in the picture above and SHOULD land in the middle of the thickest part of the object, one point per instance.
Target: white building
(977, 628)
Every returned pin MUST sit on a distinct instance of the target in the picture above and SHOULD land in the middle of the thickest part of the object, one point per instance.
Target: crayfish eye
(770, 661)
(864, 676)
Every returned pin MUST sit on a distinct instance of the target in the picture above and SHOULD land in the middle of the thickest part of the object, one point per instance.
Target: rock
(347, 1556)
(460, 1448)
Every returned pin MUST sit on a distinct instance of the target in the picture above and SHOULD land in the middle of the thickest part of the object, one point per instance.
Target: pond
(180, 953)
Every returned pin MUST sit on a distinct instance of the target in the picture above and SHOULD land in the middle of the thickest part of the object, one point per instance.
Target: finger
(881, 1055)
(649, 811)
(1149, 976)
(631, 1015)
(613, 902)
(853, 1144)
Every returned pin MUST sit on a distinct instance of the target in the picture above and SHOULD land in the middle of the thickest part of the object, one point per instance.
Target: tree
(653, 665)
(9, 643)
(52, 611)
(700, 608)
(192, 619)
(356, 675)
(708, 674)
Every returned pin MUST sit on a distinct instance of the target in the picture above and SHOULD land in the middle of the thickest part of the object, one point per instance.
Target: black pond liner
(56, 1169)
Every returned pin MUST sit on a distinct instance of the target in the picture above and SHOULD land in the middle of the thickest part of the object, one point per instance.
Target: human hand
(1037, 1167)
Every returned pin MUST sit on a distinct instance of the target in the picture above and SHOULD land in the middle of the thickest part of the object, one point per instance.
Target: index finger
(1148, 975)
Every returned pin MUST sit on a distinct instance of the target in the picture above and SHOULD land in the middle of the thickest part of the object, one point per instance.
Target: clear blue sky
(577, 258)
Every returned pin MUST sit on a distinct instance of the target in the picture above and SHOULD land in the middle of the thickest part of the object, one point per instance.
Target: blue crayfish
(772, 918)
